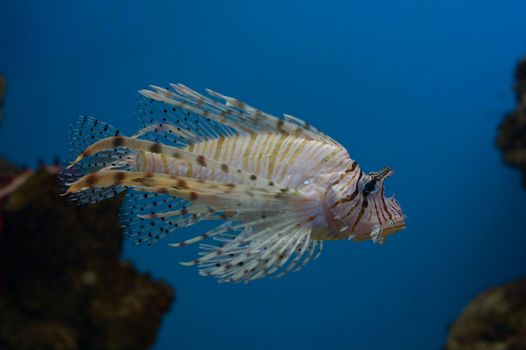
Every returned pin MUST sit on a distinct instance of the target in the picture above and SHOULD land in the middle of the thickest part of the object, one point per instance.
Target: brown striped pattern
(288, 161)
(279, 158)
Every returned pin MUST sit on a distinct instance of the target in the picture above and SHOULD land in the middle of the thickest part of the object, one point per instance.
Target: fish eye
(370, 187)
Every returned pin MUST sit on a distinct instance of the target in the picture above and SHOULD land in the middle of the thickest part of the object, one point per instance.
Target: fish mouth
(395, 227)
(397, 222)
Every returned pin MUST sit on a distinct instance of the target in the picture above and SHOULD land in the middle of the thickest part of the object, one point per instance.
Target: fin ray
(234, 113)
(84, 132)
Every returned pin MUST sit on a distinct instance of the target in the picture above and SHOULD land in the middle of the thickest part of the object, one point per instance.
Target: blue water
(417, 85)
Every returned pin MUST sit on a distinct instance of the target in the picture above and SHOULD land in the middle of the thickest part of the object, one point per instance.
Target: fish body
(280, 186)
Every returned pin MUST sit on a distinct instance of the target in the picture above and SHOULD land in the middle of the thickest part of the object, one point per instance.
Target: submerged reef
(511, 138)
(494, 320)
(62, 282)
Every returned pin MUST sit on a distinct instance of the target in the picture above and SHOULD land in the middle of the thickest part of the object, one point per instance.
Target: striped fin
(143, 226)
(314, 247)
(264, 227)
(135, 144)
(234, 113)
(86, 130)
(209, 192)
(176, 126)
(258, 249)
(279, 254)
(150, 214)
(83, 132)
(247, 213)
(299, 254)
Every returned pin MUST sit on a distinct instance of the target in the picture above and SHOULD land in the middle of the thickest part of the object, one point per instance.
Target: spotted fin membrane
(266, 227)
(85, 131)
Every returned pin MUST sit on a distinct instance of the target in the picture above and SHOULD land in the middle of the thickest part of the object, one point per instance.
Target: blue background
(417, 85)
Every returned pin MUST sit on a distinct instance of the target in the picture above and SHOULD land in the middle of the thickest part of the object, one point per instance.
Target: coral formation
(62, 283)
(512, 132)
(494, 320)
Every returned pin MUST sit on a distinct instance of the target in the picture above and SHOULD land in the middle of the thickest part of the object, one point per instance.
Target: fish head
(372, 215)
(386, 214)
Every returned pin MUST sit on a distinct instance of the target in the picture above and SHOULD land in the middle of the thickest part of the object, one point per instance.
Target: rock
(511, 138)
(62, 282)
(494, 320)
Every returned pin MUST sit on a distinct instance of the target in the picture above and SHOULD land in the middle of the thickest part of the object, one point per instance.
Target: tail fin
(85, 131)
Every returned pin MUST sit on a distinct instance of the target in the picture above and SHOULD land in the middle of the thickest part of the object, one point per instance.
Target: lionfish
(279, 186)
